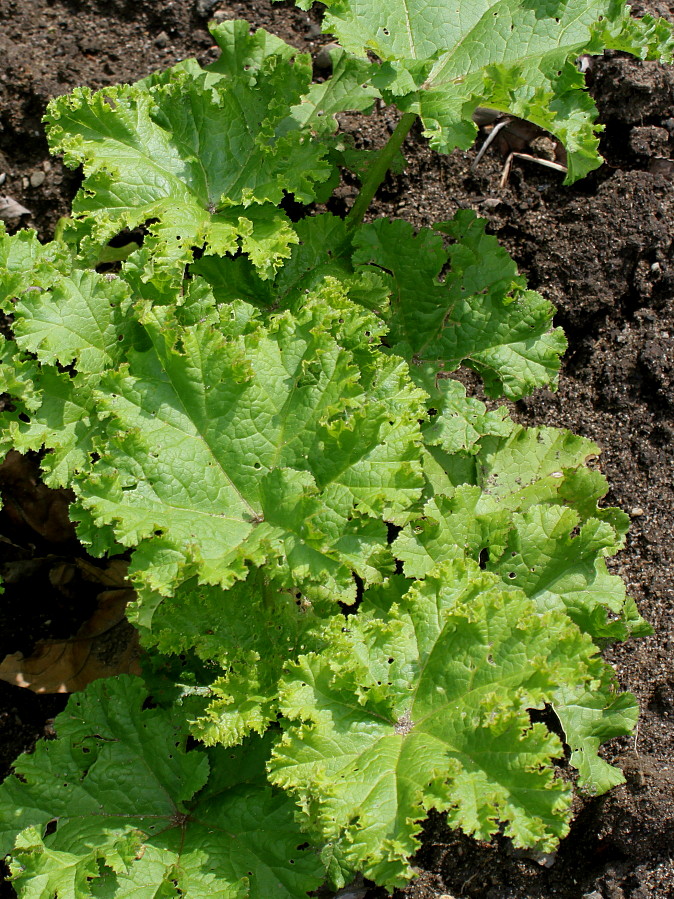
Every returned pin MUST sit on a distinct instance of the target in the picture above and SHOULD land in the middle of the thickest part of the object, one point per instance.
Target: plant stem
(380, 167)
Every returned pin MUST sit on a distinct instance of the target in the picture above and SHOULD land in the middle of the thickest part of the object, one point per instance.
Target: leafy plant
(355, 584)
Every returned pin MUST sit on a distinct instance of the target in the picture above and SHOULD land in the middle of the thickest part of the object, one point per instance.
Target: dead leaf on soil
(105, 645)
(28, 502)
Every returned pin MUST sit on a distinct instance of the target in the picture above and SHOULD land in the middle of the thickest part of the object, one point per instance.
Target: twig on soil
(548, 163)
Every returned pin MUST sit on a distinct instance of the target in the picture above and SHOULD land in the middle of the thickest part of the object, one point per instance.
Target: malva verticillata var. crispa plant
(354, 583)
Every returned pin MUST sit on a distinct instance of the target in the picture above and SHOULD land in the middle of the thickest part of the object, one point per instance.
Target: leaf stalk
(378, 171)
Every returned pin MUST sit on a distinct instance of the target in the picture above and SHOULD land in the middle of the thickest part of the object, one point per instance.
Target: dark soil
(601, 250)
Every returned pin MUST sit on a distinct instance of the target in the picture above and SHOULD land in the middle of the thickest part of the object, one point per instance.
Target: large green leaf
(479, 313)
(207, 160)
(235, 443)
(424, 708)
(564, 569)
(249, 632)
(536, 551)
(529, 466)
(444, 59)
(134, 814)
(590, 717)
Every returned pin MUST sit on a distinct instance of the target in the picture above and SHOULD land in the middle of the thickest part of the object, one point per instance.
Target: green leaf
(467, 524)
(645, 38)
(537, 465)
(26, 265)
(562, 570)
(537, 551)
(246, 51)
(511, 55)
(479, 314)
(82, 320)
(171, 153)
(428, 710)
(457, 422)
(223, 449)
(349, 88)
(249, 631)
(590, 718)
(133, 813)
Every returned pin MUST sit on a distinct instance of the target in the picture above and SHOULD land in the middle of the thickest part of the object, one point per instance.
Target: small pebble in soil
(636, 512)
(161, 40)
(37, 179)
(204, 7)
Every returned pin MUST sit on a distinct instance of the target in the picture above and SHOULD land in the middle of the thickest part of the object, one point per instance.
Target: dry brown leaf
(28, 502)
(105, 645)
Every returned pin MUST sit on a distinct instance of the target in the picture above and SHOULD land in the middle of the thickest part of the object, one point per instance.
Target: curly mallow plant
(358, 589)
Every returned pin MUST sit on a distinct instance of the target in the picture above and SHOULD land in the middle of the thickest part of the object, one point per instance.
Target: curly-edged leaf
(562, 570)
(242, 443)
(427, 709)
(249, 632)
(26, 265)
(457, 422)
(469, 523)
(319, 253)
(83, 319)
(50, 409)
(194, 158)
(131, 812)
(590, 718)
(349, 88)
(479, 313)
(536, 551)
(532, 466)
(512, 55)
(245, 51)
(646, 38)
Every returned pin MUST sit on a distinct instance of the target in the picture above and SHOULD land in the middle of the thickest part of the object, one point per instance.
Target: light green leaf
(428, 710)
(349, 88)
(134, 813)
(244, 50)
(226, 448)
(249, 632)
(479, 314)
(538, 465)
(457, 422)
(83, 319)
(443, 60)
(172, 153)
(590, 718)
(27, 266)
(467, 524)
(562, 570)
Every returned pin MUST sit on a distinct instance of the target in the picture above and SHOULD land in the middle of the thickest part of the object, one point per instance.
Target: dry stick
(485, 146)
(546, 162)
(378, 170)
